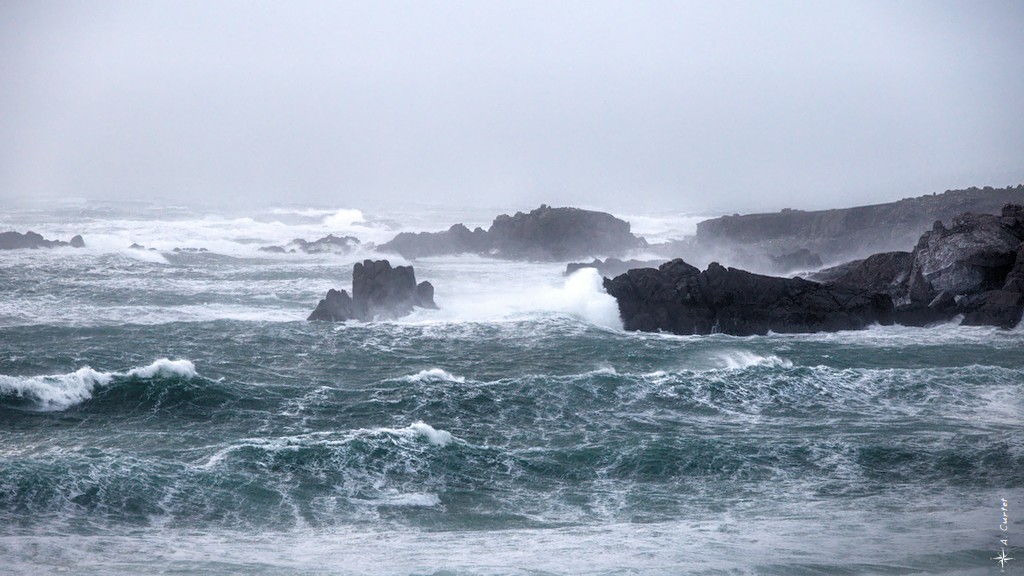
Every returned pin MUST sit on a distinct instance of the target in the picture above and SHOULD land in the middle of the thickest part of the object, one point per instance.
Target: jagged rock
(31, 240)
(887, 272)
(335, 307)
(971, 267)
(993, 308)
(190, 250)
(425, 295)
(327, 244)
(378, 292)
(612, 267)
(679, 298)
(545, 233)
(975, 254)
(1015, 279)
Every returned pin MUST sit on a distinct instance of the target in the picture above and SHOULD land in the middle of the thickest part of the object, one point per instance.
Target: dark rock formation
(848, 233)
(561, 233)
(974, 267)
(456, 240)
(335, 307)
(190, 250)
(679, 298)
(378, 292)
(612, 267)
(543, 234)
(802, 259)
(327, 244)
(886, 272)
(31, 240)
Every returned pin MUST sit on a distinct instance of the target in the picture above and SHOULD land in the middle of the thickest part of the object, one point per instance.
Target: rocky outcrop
(973, 267)
(848, 233)
(545, 233)
(379, 292)
(679, 298)
(887, 272)
(328, 244)
(31, 240)
(611, 267)
(456, 240)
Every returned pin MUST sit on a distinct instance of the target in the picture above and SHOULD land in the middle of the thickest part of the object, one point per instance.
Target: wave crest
(50, 393)
(434, 375)
(742, 359)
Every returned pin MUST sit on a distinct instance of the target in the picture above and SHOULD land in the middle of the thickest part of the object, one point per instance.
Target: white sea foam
(344, 218)
(583, 296)
(412, 500)
(166, 368)
(740, 359)
(476, 289)
(434, 374)
(56, 392)
(434, 436)
(61, 391)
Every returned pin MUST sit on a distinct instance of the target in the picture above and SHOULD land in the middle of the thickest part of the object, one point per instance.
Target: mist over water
(173, 411)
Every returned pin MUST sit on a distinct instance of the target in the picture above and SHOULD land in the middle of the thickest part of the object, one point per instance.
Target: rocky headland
(31, 240)
(973, 267)
(836, 235)
(379, 292)
(679, 298)
(545, 233)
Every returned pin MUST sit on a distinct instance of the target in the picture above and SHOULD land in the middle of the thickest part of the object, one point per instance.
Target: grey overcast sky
(733, 106)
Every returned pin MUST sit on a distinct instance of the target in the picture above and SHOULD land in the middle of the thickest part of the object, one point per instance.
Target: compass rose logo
(1002, 558)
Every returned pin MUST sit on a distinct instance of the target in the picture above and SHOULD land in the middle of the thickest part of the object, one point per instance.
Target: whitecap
(434, 436)
(412, 500)
(55, 392)
(434, 375)
(741, 359)
(164, 367)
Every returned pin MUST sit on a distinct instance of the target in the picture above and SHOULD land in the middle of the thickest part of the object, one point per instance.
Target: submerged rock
(378, 292)
(679, 298)
(31, 240)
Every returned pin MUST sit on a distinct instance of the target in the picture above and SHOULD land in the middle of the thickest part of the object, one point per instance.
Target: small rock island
(379, 292)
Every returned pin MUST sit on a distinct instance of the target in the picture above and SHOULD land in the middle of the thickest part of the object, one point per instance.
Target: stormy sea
(169, 411)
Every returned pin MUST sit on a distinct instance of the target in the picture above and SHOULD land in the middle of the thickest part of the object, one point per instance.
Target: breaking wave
(56, 392)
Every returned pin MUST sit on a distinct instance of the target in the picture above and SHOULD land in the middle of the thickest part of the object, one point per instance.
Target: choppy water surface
(173, 412)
